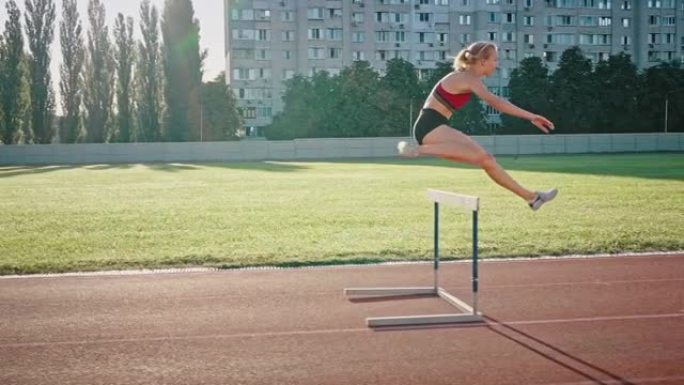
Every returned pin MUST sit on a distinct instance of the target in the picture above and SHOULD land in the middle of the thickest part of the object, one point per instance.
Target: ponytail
(480, 50)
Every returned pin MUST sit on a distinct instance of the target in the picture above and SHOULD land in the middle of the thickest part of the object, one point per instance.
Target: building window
(263, 35)
(358, 36)
(358, 55)
(334, 34)
(464, 19)
(604, 21)
(528, 20)
(626, 5)
(382, 36)
(335, 53)
(528, 38)
(381, 55)
(287, 15)
(263, 54)
(550, 56)
(315, 34)
(625, 22)
(316, 53)
(491, 36)
(288, 35)
(316, 13)
(243, 34)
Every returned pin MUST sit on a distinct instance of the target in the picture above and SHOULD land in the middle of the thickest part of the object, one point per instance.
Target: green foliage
(124, 57)
(658, 83)
(404, 93)
(572, 93)
(528, 87)
(617, 87)
(40, 25)
(73, 55)
(149, 76)
(220, 116)
(360, 103)
(183, 71)
(14, 91)
(611, 97)
(98, 76)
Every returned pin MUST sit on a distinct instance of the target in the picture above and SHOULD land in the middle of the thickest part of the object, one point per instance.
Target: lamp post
(667, 103)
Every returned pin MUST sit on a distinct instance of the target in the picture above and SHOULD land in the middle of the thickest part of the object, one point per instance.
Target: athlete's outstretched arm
(509, 108)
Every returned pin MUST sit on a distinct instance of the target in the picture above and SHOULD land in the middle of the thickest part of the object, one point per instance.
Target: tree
(358, 113)
(220, 117)
(665, 80)
(402, 96)
(14, 93)
(528, 87)
(182, 69)
(2, 71)
(296, 119)
(71, 39)
(618, 87)
(40, 23)
(572, 93)
(124, 57)
(98, 76)
(149, 75)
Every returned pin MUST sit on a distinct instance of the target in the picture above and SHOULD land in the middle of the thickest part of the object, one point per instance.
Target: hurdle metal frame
(469, 314)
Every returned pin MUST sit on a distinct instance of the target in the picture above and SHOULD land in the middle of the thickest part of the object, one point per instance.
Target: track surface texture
(568, 321)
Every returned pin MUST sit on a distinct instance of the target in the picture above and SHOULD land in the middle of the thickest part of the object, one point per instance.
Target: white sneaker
(543, 197)
(407, 149)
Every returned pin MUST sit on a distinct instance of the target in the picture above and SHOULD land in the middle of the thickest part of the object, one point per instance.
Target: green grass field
(60, 218)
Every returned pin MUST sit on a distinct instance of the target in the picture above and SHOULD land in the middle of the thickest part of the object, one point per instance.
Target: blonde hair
(480, 50)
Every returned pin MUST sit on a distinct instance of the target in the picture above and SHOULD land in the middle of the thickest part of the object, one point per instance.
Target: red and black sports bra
(451, 101)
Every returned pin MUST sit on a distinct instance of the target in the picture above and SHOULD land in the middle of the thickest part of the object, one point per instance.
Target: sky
(208, 12)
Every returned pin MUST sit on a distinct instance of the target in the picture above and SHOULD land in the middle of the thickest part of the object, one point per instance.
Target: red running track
(610, 320)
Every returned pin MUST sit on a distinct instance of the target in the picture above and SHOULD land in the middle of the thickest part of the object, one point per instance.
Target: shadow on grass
(666, 166)
(268, 166)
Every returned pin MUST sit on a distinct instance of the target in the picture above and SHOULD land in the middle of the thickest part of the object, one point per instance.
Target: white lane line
(295, 333)
(648, 380)
(576, 283)
(183, 270)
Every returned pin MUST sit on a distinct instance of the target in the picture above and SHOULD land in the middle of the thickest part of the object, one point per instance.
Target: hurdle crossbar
(469, 313)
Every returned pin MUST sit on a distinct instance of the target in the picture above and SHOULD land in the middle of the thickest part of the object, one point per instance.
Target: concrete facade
(268, 41)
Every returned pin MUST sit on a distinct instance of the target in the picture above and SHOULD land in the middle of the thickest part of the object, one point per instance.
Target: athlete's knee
(487, 161)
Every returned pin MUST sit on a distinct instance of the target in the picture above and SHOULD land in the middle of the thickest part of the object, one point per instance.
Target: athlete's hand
(542, 123)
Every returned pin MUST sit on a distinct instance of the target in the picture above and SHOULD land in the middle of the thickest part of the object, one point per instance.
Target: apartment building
(269, 41)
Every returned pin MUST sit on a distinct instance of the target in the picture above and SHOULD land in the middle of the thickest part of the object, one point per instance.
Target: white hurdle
(469, 314)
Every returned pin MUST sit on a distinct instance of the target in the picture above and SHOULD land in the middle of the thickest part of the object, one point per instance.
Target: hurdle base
(469, 315)
(433, 319)
(390, 291)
